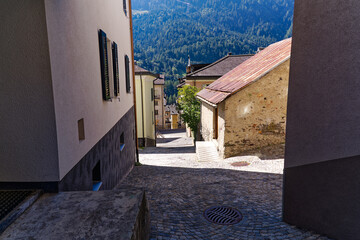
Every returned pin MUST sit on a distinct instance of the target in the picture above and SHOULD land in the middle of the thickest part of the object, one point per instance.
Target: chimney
(230, 53)
(260, 49)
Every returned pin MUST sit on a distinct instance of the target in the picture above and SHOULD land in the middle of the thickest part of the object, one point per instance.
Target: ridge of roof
(217, 62)
(247, 72)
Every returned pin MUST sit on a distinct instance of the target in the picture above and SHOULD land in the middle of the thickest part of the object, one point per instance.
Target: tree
(190, 107)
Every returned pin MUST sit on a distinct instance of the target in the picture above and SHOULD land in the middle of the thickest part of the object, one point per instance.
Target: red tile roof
(247, 72)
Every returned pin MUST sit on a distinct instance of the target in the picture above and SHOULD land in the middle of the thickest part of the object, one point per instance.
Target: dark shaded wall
(28, 138)
(321, 180)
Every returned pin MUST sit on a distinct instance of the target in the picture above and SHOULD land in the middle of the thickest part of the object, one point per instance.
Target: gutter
(133, 68)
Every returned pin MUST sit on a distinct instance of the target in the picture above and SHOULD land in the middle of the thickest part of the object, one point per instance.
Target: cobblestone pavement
(179, 189)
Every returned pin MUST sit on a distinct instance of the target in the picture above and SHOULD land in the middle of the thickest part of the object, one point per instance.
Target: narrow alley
(180, 188)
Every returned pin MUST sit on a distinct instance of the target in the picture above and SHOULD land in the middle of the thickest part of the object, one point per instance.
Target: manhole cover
(223, 215)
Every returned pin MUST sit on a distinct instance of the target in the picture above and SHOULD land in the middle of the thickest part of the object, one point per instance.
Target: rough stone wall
(207, 127)
(256, 116)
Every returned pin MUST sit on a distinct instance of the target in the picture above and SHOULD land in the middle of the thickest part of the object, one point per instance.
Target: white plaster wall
(207, 121)
(221, 128)
(28, 147)
(75, 67)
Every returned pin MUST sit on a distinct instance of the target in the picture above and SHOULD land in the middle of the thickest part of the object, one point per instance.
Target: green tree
(190, 107)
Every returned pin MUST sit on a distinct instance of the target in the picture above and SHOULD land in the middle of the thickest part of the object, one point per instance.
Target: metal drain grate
(223, 215)
(9, 200)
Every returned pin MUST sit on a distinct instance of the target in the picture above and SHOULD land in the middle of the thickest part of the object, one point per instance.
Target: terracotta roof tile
(247, 72)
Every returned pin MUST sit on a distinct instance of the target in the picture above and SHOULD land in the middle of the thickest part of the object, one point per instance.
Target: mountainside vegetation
(166, 32)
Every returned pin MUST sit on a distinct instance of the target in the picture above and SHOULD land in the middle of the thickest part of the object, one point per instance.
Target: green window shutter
(115, 69)
(104, 64)
(127, 73)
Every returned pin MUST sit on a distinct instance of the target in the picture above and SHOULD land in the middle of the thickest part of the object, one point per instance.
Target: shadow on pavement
(167, 150)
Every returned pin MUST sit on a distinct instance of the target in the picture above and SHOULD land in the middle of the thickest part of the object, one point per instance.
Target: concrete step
(115, 214)
(206, 151)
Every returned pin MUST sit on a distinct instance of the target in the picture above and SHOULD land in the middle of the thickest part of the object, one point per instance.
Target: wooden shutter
(127, 73)
(115, 69)
(104, 64)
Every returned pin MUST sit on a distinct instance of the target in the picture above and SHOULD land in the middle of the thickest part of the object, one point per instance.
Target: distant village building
(246, 108)
(172, 117)
(67, 108)
(144, 84)
(159, 102)
(201, 75)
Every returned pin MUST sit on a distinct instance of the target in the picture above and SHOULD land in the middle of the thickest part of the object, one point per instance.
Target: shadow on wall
(267, 153)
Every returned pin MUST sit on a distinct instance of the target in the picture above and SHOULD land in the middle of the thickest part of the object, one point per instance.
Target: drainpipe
(134, 87)
(154, 111)
(142, 109)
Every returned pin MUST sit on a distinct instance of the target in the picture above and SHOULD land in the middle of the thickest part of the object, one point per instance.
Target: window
(124, 6)
(96, 177)
(109, 64)
(156, 112)
(127, 74)
(152, 94)
(104, 64)
(156, 103)
(122, 141)
(111, 67)
(81, 129)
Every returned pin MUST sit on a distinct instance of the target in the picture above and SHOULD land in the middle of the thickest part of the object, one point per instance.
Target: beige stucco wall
(256, 116)
(75, 68)
(199, 83)
(145, 106)
(207, 123)
(28, 144)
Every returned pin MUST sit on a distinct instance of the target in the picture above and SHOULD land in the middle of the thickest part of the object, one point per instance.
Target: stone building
(246, 108)
(66, 97)
(202, 75)
(159, 102)
(322, 160)
(145, 106)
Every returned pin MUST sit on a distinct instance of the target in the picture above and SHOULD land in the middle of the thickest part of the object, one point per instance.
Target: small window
(124, 6)
(81, 129)
(122, 141)
(152, 94)
(156, 103)
(104, 65)
(96, 177)
(156, 112)
(127, 74)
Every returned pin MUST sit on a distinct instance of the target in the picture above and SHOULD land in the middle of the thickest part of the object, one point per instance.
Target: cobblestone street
(179, 188)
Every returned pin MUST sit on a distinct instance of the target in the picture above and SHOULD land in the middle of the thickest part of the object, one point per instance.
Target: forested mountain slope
(166, 32)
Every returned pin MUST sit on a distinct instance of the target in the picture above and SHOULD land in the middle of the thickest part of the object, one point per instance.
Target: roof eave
(206, 101)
